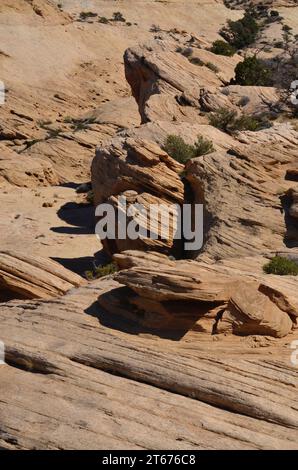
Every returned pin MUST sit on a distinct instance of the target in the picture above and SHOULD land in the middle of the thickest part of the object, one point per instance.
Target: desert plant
(252, 71)
(220, 47)
(186, 51)
(103, 20)
(212, 67)
(196, 61)
(117, 16)
(281, 266)
(243, 101)
(101, 271)
(155, 28)
(84, 15)
(227, 121)
(222, 119)
(203, 146)
(249, 123)
(241, 33)
(178, 149)
(78, 124)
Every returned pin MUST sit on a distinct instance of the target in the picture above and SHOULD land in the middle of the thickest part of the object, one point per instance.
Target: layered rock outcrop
(167, 295)
(29, 277)
(140, 172)
(78, 376)
(25, 171)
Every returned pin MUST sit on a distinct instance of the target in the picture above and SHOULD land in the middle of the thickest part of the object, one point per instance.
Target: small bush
(186, 51)
(220, 47)
(178, 149)
(84, 15)
(243, 101)
(227, 121)
(281, 266)
(103, 20)
(222, 119)
(246, 123)
(155, 28)
(196, 61)
(101, 271)
(252, 72)
(79, 124)
(203, 146)
(241, 33)
(117, 16)
(212, 67)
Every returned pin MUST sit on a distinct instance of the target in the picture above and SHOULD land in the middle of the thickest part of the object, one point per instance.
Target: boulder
(135, 164)
(169, 295)
(160, 223)
(163, 81)
(29, 277)
(250, 312)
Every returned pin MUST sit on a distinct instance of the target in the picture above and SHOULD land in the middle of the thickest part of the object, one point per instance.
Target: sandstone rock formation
(20, 170)
(162, 81)
(183, 295)
(243, 194)
(177, 354)
(81, 380)
(28, 277)
(129, 169)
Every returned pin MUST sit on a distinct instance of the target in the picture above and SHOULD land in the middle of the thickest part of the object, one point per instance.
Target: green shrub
(227, 121)
(178, 149)
(222, 119)
(212, 67)
(246, 123)
(186, 51)
(196, 61)
(101, 271)
(84, 15)
(117, 16)
(241, 33)
(203, 146)
(103, 20)
(220, 47)
(252, 72)
(281, 266)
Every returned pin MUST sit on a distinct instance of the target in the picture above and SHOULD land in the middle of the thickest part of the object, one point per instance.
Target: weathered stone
(29, 277)
(250, 312)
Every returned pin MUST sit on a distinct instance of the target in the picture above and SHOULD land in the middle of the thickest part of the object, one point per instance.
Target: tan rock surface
(155, 71)
(30, 277)
(243, 192)
(183, 294)
(77, 376)
(138, 165)
(187, 394)
(24, 171)
(251, 312)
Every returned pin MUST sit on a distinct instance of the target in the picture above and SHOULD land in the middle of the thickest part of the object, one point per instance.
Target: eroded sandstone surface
(177, 349)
